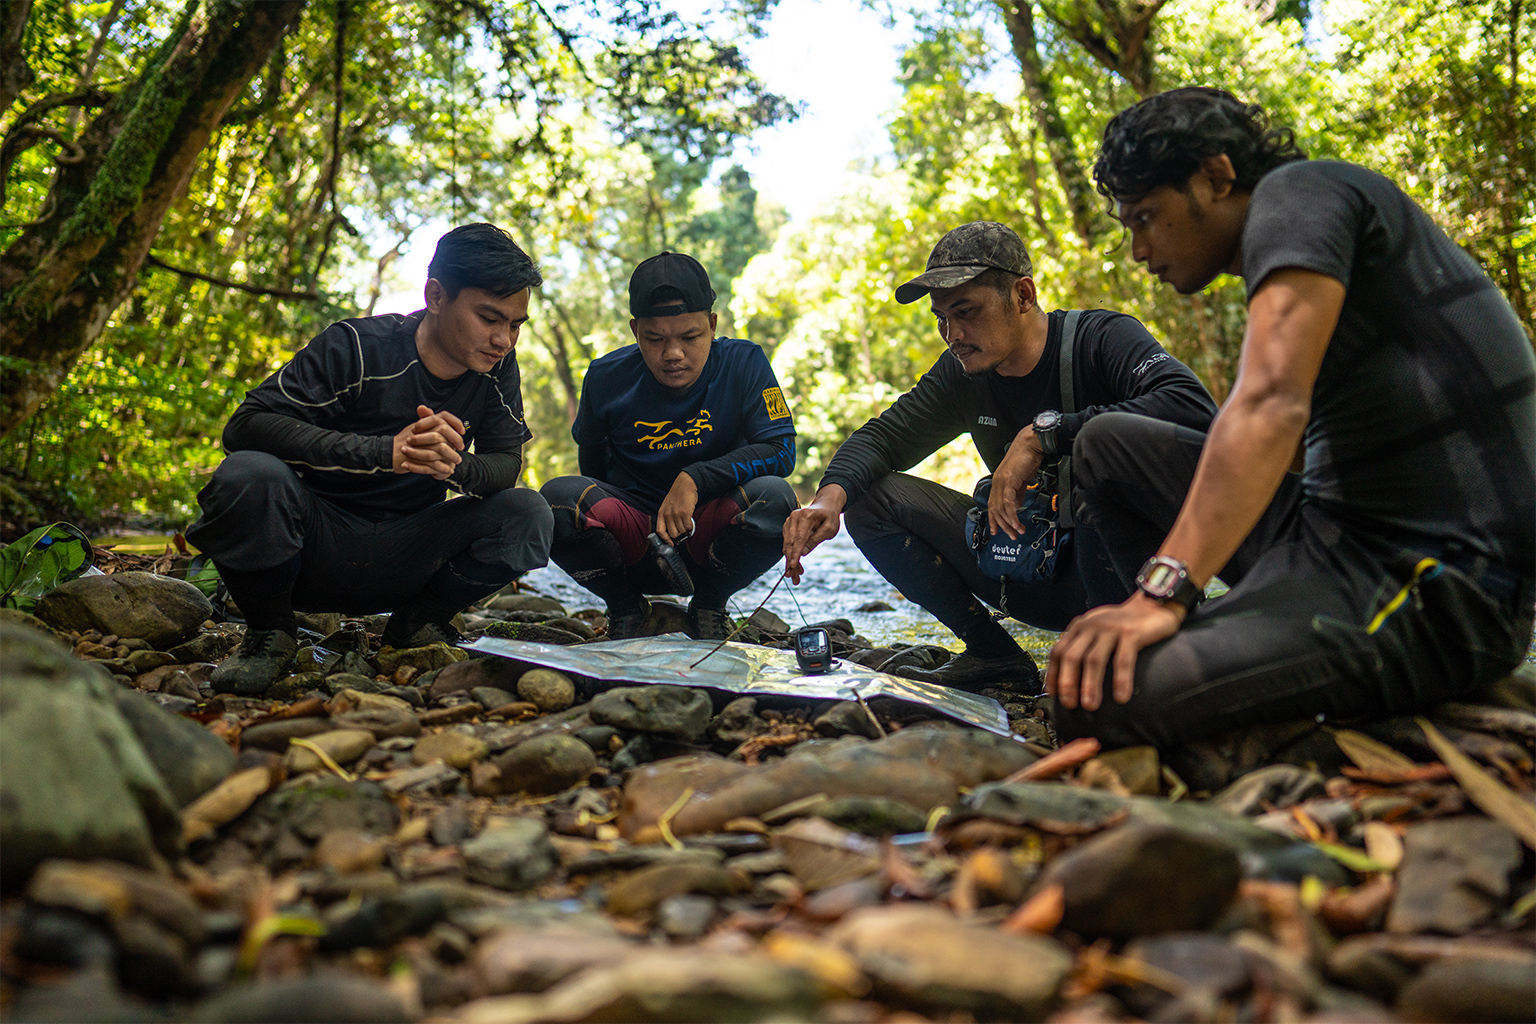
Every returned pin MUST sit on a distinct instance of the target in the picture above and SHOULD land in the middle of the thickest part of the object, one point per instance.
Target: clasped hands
(431, 446)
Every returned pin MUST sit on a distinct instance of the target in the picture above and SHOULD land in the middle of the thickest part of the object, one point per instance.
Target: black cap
(968, 250)
(683, 277)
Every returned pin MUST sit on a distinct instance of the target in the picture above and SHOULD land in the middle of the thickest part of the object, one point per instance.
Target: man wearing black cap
(682, 436)
(1000, 380)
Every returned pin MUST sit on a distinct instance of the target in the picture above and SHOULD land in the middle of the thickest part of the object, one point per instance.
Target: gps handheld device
(813, 649)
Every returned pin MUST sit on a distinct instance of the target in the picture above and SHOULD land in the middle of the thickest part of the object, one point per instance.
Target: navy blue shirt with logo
(730, 426)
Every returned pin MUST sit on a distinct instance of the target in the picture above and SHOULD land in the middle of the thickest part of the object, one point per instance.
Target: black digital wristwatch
(1167, 579)
(1046, 424)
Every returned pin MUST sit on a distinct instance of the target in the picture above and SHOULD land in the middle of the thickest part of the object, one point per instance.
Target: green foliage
(600, 133)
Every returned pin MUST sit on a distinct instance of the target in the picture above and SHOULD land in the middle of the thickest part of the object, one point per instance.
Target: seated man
(1397, 571)
(332, 494)
(682, 434)
(1000, 381)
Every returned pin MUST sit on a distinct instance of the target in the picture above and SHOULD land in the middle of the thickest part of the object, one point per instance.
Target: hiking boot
(1016, 672)
(421, 636)
(709, 624)
(264, 655)
(631, 624)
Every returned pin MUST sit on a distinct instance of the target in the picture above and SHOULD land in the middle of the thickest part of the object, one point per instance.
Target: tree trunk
(1019, 16)
(63, 277)
(1116, 37)
(15, 75)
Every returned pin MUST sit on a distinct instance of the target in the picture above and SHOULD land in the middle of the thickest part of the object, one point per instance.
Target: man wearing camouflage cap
(998, 380)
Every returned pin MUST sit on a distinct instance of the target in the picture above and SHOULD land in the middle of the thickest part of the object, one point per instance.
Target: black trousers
(257, 515)
(601, 535)
(913, 531)
(1323, 620)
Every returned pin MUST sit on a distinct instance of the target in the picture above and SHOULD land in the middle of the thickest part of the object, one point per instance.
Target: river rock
(1468, 988)
(1142, 879)
(677, 711)
(209, 645)
(1454, 875)
(872, 815)
(339, 682)
(685, 917)
(316, 1000)
(532, 960)
(74, 779)
(491, 697)
(383, 722)
(422, 659)
(683, 985)
(384, 920)
(464, 676)
(359, 700)
(1204, 961)
(511, 853)
(532, 632)
(525, 603)
(114, 890)
(922, 767)
(188, 757)
(640, 891)
(925, 953)
(144, 661)
(275, 735)
(307, 808)
(458, 749)
(547, 690)
(1138, 768)
(295, 686)
(342, 746)
(546, 764)
(159, 609)
(844, 718)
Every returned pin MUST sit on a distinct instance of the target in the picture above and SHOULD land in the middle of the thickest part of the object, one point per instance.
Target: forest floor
(409, 835)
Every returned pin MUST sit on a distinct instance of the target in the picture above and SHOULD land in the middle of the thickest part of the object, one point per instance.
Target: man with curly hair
(1396, 569)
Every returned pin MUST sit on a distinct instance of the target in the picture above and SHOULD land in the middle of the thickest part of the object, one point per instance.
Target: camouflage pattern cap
(968, 250)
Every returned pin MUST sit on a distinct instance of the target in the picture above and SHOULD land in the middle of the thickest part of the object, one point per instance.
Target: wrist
(832, 498)
(1167, 581)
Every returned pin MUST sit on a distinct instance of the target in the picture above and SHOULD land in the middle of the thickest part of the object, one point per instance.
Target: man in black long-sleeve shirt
(999, 381)
(683, 434)
(331, 496)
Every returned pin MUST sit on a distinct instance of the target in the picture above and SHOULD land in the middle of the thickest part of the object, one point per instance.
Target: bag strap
(1068, 404)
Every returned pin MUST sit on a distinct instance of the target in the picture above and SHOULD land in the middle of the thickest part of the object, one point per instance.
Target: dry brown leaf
(1058, 762)
(1371, 755)
(1383, 844)
(1496, 799)
(1040, 914)
(821, 855)
(828, 963)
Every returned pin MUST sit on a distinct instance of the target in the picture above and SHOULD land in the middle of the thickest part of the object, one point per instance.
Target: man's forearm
(295, 441)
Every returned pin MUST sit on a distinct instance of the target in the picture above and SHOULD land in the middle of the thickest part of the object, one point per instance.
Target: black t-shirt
(1117, 365)
(333, 412)
(729, 426)
(1423, 417)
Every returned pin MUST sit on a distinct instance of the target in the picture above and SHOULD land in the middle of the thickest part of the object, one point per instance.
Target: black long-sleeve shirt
(333, 412)
(1117, 366)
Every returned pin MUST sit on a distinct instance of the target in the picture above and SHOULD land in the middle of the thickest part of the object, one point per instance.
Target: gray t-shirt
(1423, 418)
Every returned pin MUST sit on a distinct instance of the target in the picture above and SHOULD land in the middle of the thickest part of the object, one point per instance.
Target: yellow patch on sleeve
(773, 399)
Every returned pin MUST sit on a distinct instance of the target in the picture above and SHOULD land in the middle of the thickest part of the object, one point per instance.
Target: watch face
(1160, 579)
(1047, 420)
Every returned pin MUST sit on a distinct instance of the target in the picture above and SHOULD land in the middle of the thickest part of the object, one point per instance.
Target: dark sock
(457, 585)
(265, 597)
(990, 640)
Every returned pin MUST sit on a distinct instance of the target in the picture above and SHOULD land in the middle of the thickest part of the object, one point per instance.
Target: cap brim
(939, 277)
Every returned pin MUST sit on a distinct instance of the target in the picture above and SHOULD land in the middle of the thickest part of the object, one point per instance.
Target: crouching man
(331, 496)
(1023, 383)
(683, 435)
(1397, 570)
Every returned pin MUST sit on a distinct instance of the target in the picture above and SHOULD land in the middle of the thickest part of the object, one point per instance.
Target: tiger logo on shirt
(687, 433)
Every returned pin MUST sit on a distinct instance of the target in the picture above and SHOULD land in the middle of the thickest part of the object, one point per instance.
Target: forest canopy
(193, 188)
